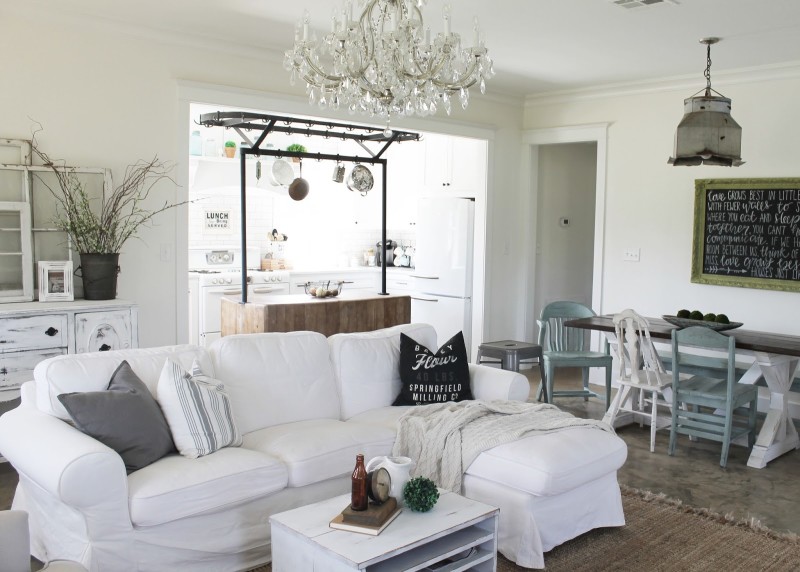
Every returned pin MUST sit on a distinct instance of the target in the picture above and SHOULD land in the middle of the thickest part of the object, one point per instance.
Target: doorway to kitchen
(358, 230)
(565, 172)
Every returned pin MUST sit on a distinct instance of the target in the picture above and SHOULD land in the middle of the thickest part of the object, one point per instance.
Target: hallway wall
(650, 204)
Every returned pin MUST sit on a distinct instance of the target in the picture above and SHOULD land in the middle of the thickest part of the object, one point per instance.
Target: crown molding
(771, 72)
(184, 39)
(60, 15)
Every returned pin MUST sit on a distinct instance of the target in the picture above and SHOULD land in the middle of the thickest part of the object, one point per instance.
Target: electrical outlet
(631, 255)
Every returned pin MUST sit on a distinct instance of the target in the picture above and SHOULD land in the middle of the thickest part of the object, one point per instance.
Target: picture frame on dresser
(55, 281)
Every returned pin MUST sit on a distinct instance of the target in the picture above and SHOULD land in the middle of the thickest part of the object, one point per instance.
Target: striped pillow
(197, 409)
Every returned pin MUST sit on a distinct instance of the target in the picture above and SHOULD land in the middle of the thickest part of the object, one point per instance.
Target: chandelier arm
(422, 75)
(366, 57)
(460, 82)
(370, 88)
(320, 72)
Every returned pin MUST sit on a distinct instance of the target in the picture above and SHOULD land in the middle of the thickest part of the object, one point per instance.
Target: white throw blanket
(444, 438)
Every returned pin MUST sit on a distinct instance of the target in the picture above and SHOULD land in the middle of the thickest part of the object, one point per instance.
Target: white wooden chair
(644, 386)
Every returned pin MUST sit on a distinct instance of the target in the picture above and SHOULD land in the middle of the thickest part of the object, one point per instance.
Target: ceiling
(538, 45)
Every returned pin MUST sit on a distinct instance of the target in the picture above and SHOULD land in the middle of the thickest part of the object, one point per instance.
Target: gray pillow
(125, 417)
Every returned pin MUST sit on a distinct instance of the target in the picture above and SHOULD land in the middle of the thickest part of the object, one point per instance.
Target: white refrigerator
(442, 275)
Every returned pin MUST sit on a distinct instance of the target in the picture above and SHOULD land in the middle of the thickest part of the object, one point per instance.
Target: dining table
(776, 357)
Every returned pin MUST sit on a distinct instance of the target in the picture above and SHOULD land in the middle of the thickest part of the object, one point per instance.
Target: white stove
(254, 278)
(217, 273)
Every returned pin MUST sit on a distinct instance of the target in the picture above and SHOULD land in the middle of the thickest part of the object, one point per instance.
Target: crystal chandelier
(384, 63)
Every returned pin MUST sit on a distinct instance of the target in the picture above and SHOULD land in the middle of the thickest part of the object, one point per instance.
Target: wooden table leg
(777, 435)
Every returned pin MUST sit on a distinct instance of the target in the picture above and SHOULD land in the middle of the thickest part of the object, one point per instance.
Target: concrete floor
(693, 475)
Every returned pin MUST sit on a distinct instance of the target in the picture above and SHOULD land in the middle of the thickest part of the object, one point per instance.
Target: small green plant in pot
(296, 148)
(420, 494)
(230, 149)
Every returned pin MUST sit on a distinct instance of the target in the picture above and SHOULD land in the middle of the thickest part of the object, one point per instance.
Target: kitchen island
(347, 312)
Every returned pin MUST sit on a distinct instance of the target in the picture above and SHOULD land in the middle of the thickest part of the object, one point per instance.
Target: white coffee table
(302, 539)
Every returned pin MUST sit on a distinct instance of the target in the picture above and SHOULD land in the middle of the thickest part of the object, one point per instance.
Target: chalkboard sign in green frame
(747, 233)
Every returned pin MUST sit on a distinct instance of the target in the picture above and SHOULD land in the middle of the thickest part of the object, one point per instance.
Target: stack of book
(371, 521)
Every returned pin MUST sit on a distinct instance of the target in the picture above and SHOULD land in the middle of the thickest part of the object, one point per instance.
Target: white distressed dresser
(33, 331)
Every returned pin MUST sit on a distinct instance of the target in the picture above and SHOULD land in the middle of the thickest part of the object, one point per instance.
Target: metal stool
(511, 354)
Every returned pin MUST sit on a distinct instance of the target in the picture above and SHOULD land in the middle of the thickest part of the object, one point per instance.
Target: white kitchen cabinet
(397, 280)
(455, 165)
(406, 177)
(33, 331)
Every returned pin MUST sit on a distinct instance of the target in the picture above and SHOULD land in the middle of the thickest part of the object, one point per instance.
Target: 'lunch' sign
(217, 220)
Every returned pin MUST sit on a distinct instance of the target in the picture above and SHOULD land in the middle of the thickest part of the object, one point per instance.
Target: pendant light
(708, 134)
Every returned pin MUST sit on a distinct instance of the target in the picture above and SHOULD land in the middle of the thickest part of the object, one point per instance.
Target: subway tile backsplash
(332, 227)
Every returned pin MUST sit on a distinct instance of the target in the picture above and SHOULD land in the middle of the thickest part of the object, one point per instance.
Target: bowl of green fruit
(686, 318)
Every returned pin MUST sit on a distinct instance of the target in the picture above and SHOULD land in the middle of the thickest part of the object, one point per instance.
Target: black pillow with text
(429, 377)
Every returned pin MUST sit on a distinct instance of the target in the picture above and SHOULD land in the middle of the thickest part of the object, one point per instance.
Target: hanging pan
(360, 180)
(298, 189)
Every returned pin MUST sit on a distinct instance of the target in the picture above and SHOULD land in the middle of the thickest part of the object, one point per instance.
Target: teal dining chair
(707, 407)
(566, 347)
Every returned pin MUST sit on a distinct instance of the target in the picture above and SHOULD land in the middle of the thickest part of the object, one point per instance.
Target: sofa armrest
(75, 490)
(27, 394)
(67, 464)
(490, 383)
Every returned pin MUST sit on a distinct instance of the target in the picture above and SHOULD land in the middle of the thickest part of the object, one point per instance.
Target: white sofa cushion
(276, 378)
(177, 487)
(197, 410)
(384, 416)
(92, 371)
(320, 449)
(552, 463)
(367, 365)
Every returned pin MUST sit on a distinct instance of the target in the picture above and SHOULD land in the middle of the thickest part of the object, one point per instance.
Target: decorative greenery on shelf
(103, 225)
(296, 148)
(230, 144)
(420, 494)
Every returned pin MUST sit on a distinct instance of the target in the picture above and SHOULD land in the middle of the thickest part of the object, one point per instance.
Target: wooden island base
(348, 312)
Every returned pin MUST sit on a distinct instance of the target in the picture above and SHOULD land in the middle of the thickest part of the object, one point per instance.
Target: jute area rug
(663, 534)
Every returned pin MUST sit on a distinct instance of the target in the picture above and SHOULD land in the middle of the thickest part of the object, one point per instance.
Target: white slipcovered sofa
(305, 406)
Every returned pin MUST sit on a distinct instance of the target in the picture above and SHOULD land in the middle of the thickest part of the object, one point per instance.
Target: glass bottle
(358, 495)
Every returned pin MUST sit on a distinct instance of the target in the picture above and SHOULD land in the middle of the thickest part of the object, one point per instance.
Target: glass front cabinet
(27, 211)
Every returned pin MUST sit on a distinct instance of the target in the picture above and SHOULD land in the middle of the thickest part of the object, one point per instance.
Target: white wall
(649, 204)
(108, 95)
(566, 189)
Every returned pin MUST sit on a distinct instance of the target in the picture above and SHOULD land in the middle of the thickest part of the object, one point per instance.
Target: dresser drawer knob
(51, 331)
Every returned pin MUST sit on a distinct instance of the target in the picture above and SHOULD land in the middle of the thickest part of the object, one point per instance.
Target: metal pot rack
(244, 121)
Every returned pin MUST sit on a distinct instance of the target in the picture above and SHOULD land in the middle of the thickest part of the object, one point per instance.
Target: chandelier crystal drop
(385, 63)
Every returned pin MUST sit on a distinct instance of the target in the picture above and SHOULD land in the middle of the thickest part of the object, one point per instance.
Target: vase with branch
(99, 226)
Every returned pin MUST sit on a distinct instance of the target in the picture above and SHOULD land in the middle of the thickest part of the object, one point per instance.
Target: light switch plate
(631, 255)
